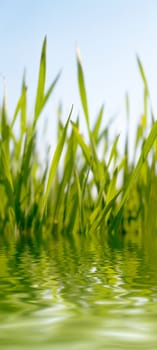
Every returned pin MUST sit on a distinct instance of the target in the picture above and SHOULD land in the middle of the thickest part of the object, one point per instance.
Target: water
(77, 295)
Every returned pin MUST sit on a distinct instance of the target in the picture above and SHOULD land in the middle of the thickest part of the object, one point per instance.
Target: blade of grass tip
(82, 88)
(55, 161)
(142, 74)
(42, 97)
(41, 81)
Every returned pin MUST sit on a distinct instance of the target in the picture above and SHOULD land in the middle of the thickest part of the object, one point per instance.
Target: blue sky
(109, 34)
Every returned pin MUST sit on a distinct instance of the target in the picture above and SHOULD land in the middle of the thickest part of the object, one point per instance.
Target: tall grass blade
(41, 82)
(97, 125)
(143, 75)
(55, 161)
(5, 148)
(42, 97)
(82, 89)
(81, 142)
(21, 107)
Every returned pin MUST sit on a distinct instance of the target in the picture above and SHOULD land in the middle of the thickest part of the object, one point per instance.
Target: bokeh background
(109, 33)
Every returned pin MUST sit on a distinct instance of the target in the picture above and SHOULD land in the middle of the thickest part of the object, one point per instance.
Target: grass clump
(85, 195)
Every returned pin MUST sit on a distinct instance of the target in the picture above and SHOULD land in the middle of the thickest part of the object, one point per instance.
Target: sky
(109, 33)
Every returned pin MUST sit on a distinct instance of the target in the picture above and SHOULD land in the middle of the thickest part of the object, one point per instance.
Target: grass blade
(81, 142)
(41, 82)
(41, 96)
(82, 89)
(142, 75)
(55, 161)
(98, 124)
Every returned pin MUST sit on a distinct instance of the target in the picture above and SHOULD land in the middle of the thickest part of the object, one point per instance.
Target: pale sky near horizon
(109, 34)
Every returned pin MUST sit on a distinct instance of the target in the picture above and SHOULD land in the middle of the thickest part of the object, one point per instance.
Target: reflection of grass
(85, 195)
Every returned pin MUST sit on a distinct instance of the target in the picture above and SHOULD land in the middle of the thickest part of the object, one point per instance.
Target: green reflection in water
(77, 295)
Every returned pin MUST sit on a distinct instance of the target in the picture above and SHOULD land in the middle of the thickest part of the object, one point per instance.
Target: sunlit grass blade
(112, 187)
(50, 89)
(113, 154)
(82, 89)
(81, 142)
(21, 107)
(41, 82)
(97, 125)
(54, 162)
(142, 75)
(79, 193)
(41, 96)
(64, 185)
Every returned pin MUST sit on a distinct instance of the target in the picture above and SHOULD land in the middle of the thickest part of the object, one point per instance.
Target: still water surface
(86, 295)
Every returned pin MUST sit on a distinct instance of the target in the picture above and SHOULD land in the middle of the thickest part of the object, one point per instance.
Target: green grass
(88, 188)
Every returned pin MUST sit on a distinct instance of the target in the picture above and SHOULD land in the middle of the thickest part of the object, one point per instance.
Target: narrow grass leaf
(113, 153)
(81, 142)
(41, 82)
(112, 187)
(79, 193)
(42, 97)
(97, 125)
(21, 107)
(82, 89)
(49, 91)
(5, 147)
(55, 161)
(142, 74)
